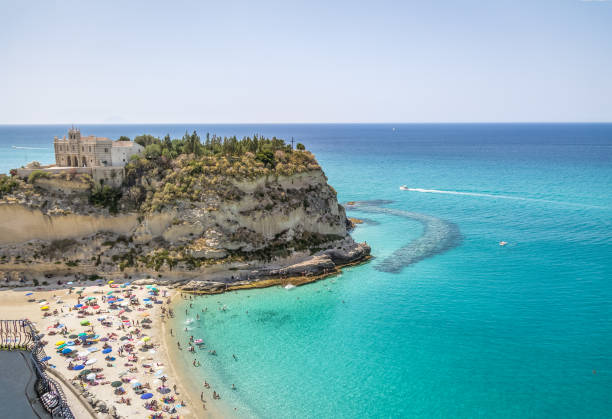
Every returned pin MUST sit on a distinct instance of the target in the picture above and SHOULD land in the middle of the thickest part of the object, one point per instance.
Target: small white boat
(289, 286)
(503, 243)
(404, 188)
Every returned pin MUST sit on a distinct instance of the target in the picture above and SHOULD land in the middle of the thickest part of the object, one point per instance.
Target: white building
(121, 151)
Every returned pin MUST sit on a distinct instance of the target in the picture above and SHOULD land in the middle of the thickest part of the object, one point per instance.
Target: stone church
(91, 151)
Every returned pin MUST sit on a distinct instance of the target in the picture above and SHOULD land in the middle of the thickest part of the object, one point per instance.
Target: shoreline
(273, 281)
(213, 410)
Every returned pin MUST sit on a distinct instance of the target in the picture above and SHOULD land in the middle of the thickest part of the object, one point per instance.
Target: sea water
(472, 329)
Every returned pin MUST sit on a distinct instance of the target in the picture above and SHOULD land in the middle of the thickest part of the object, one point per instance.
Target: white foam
(486, 195)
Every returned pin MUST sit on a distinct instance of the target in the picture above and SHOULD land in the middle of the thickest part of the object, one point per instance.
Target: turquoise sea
(477, 330)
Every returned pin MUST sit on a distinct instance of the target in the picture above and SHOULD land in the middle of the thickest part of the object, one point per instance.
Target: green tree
(124, 138)
(300, 146)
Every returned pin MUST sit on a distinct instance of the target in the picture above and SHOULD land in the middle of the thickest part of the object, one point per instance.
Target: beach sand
(155, 352)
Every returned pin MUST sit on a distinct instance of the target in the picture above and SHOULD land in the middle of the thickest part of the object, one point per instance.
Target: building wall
(120, 155)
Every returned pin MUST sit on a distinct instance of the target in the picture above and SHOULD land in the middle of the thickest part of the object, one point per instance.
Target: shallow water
(477, 330)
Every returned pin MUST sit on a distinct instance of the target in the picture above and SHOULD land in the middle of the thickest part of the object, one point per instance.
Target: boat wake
(488, 195)
(438, 237)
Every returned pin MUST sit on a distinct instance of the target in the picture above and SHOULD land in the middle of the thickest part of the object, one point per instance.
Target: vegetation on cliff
(187, 169)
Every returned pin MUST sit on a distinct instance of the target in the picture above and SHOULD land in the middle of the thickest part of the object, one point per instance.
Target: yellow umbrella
(44, 308)
(146, 338)
(111, 281)
(59, 342)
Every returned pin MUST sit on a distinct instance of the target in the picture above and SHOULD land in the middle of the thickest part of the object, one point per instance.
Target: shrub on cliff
(106, 197)
(37, 174)
(7, 185)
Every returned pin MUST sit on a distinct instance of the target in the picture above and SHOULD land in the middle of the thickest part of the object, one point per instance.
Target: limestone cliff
(186, 220)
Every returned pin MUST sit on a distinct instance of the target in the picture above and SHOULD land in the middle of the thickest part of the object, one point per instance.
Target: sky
(305, 61)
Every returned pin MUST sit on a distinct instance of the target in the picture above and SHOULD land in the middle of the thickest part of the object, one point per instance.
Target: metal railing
(21, 335)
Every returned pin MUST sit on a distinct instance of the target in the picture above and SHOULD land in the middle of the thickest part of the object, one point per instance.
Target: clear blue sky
(305, 61)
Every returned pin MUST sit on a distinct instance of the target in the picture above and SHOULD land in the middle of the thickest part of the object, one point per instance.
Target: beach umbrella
(96, 307)
(93, 349)
(44, 308)
(82, 334)
(66, 350)
(83, 353)
(84, 307)
(146, 338)
(78, 306)
(69, 283)
(136, 384)
(146, 396)
(84, 322)
(29, 293)
(73, 336)
(84, 372)
(61, 346)
(91, 361)
(109, 293)
(116, 384)
(91, 376)
(59, 342)
(123, 338)
(78, 367)
(107, 350)
(91, 298)
(164, 390)
(111, 281)
(79, 292)
(45, 359)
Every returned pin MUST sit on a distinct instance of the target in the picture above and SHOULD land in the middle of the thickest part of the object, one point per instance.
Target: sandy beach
(110, 343)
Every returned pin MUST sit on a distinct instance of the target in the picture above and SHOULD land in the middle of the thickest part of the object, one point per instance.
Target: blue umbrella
(45, 359)
(29, 293)
(79, 305)
(66, 350)
(107, 350)
(146, 396)
(78, 367)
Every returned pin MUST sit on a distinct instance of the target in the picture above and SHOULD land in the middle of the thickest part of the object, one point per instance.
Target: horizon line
(310, 123)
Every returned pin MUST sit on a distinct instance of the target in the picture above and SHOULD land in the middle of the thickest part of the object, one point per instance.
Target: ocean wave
(438, 236)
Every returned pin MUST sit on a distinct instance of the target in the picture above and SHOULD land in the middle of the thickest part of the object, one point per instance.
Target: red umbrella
(96, 307)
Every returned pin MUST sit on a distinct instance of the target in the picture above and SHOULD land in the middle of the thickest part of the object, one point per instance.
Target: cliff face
(267, 225)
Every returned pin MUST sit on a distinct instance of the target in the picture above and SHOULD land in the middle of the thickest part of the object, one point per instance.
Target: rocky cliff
(205, 218)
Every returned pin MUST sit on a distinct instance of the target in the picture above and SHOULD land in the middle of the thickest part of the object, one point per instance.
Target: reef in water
(438, 236)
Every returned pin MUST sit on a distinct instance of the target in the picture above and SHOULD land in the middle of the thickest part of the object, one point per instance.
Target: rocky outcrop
(270, 226)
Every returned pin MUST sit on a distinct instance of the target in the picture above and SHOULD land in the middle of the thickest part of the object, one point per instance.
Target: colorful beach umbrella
(44, 308)
(146, 396)
(78, 367)
(29, 293)
(84, 322)
(116, 384)
(66, 350)
(45, 359)
(107, 350)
